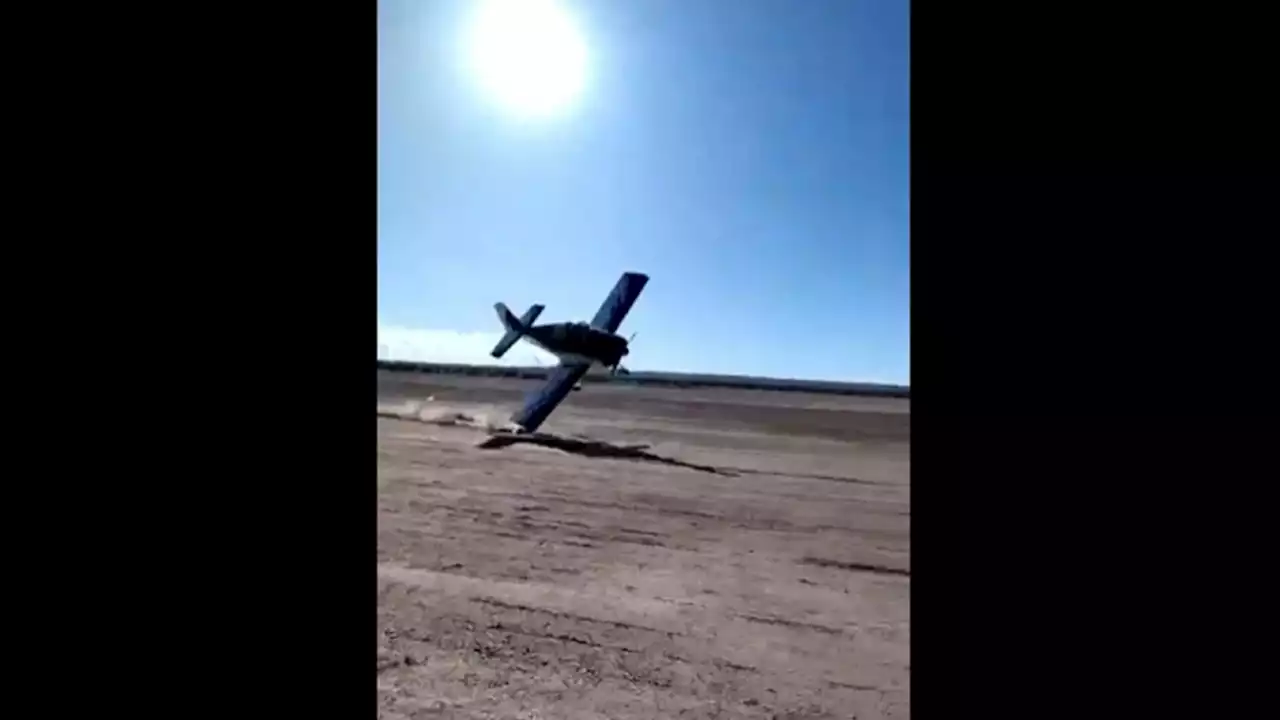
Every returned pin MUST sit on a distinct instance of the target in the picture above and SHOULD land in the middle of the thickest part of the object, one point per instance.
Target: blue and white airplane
(578, 345)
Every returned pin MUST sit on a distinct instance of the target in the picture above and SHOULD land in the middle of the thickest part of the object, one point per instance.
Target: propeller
(619, 367)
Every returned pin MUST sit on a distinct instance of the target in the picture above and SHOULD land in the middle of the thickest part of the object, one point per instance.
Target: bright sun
(527, 55)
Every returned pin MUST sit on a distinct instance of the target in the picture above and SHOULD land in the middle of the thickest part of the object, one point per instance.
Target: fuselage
(579, 343)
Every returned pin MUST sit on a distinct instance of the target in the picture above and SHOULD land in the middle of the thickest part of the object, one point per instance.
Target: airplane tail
(516, 327)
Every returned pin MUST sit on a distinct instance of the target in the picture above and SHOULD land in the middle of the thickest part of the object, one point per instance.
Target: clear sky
(751, 156)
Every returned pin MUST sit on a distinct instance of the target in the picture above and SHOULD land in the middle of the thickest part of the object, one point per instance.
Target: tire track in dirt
(742, 520)
(792, 624)
(856, 567)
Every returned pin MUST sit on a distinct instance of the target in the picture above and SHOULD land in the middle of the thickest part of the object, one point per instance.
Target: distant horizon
(491, 362)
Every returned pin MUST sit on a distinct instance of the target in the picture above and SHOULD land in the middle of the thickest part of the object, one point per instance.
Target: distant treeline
(682, 380)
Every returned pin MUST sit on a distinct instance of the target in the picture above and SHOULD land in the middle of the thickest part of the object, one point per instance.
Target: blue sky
(751, 156)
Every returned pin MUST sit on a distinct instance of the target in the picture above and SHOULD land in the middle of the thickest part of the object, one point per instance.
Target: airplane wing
(619, 302)
(540, 403)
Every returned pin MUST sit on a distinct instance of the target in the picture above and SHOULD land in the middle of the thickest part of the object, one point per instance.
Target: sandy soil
(530, 582)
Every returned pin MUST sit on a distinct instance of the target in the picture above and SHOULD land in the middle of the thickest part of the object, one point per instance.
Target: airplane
(578, 345)
(576, 386)
(622, 369)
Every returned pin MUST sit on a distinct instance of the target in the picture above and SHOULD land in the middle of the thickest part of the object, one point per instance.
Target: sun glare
(527, 55)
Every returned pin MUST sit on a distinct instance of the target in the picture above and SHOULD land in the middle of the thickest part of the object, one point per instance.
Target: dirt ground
(531, 582)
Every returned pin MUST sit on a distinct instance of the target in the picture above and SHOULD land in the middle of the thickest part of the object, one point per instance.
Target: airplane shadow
(585, 447)
(595, 448)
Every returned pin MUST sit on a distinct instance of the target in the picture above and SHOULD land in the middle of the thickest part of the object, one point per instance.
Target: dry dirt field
(531, 582)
